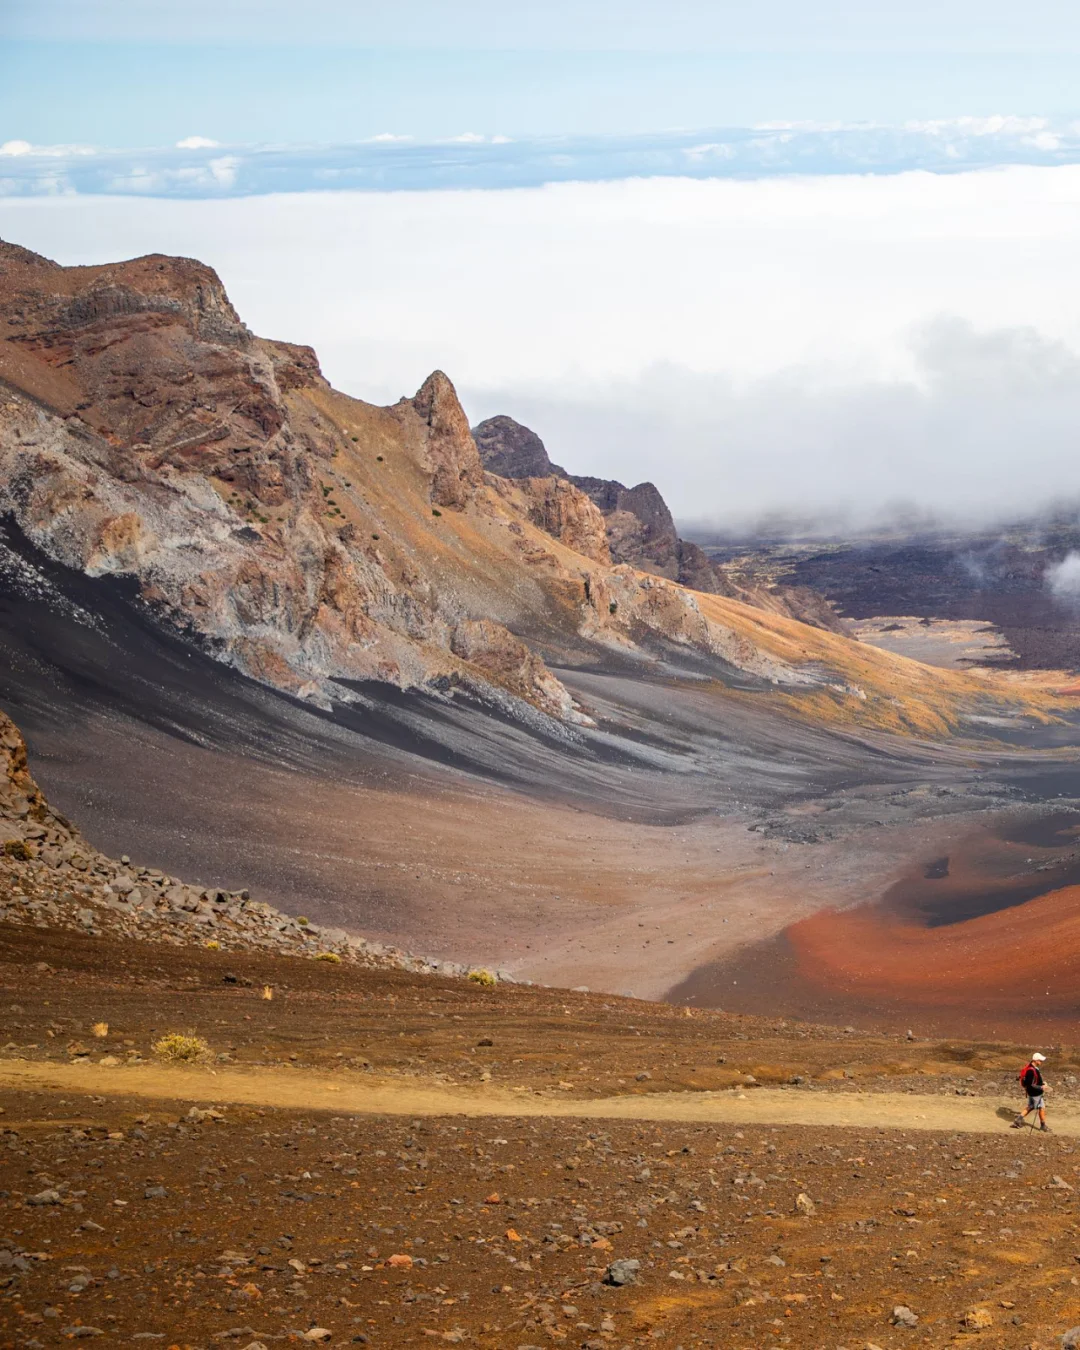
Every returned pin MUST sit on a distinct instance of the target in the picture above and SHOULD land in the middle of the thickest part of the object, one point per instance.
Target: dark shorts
(1035, 1101)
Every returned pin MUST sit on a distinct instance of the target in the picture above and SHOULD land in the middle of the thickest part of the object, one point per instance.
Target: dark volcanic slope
(987, 578)
(84, 663)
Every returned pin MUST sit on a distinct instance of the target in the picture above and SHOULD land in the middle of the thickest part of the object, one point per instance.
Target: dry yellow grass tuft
(332, 957)
(100, 1030)
(181, 1048)
(483, 978)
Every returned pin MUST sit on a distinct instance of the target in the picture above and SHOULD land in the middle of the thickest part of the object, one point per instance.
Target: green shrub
(483, 977)
(19, 850)
(332, 957)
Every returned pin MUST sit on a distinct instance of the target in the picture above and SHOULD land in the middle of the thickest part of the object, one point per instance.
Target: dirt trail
(302, 1090)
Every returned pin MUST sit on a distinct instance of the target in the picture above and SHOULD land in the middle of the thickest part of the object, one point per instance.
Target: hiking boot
(1018, 1123)
(1045, 1129)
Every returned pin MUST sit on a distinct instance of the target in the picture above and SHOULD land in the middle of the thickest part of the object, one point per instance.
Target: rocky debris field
(191, 1222)
(51, 877)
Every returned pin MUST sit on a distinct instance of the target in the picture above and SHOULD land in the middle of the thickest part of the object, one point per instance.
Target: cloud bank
(802, 345)
(391, 161)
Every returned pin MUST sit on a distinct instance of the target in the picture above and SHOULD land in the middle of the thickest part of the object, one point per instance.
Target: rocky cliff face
(449, 452)
(309, 539)
(640, 528)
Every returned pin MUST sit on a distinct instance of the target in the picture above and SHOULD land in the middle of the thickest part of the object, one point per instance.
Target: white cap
(1040, 1058)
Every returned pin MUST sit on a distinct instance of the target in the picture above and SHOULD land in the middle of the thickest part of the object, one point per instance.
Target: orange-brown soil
(983, 939)
(124, 1215)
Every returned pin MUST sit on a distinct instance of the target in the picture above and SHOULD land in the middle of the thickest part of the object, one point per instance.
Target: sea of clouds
(843, 345)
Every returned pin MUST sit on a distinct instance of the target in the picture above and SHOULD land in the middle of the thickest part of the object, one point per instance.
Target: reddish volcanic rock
(567, 514)
(450, 451)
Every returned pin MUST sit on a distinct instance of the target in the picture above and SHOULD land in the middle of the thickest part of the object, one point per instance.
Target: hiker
(1031, 1080)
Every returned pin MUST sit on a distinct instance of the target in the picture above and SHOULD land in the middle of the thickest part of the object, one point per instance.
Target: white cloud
(197, 143)
(223, 170)
(23, 149)
(1063, 578)
(388, 138)
(748, 345)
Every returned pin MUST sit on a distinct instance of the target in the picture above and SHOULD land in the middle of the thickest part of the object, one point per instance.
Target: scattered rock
(805, 1205)
(976, 1319)
(622, 1272)
(400, 1261)
(46, 1197)
(902, 1316)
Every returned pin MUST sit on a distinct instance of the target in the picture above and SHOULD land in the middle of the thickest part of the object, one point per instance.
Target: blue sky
(122, 73)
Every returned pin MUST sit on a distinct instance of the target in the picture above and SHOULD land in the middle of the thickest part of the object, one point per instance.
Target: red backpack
(1023, 1072)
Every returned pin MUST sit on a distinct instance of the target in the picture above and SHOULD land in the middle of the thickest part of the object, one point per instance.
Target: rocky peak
(512, 450)
(450, 451)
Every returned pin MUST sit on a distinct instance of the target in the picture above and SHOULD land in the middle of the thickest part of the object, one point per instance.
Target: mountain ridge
(308, 538)
(641, 530)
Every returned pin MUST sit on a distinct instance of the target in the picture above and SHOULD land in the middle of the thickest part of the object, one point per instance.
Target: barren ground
(181, 1230)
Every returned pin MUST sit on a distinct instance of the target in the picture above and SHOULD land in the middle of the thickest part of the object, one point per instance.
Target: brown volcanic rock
(567, 514)
(491, 649)
(512, 450)
(20, 797)
(159, 438)
(450, 452)
(641, 529)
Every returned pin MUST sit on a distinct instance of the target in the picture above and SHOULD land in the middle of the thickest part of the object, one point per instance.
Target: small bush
(483, 977)
(180, 1048)
(268, 992)
(302, 920)
(332, 957)
(213, 945)
(100, 1030)
(19, 850)
(435, 511)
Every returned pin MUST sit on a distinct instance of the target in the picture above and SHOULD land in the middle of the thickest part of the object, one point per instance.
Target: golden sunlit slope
(497, 561)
